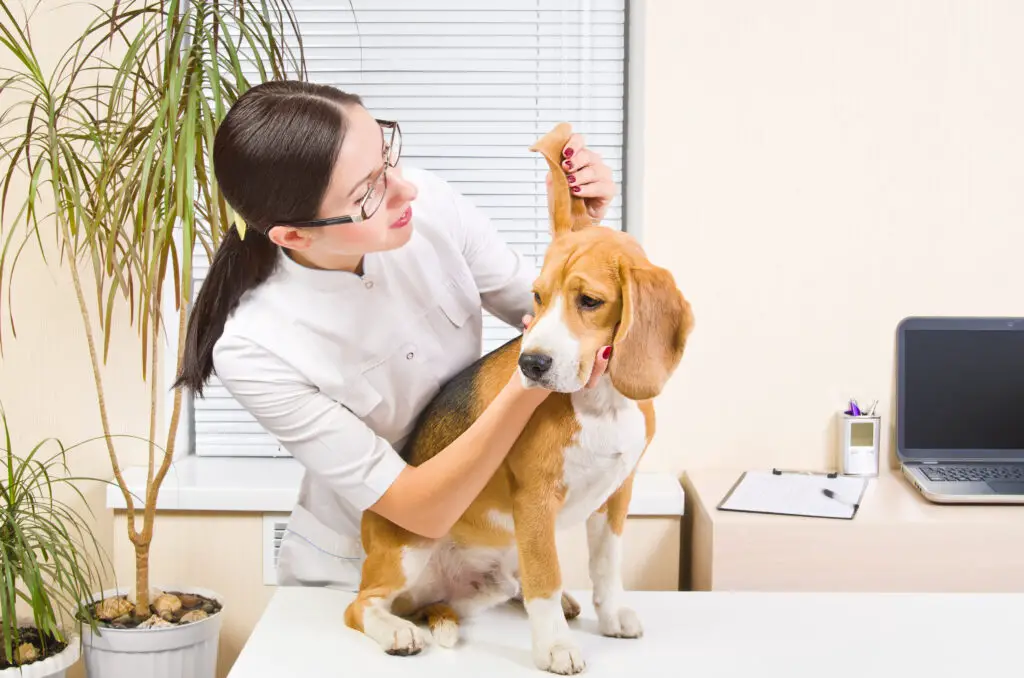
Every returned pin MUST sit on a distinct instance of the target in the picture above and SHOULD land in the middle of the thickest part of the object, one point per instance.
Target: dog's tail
(443, 622)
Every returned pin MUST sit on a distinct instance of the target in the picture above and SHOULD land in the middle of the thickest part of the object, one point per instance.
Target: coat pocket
(458, 300)
(359, 395)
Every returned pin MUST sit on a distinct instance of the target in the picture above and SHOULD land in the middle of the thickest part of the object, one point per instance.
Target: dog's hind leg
(570, 608)
(443, 622)
(387, 576)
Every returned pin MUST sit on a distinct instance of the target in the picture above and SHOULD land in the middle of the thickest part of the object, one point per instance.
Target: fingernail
(572, 178)
(575, 189)
(568, 164)
(607, 352)
(568, 152)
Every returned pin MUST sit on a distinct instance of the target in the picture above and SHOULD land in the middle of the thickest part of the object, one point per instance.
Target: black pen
(832, 495)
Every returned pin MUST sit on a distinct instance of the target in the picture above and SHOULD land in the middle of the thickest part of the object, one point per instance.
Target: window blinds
(473, 84)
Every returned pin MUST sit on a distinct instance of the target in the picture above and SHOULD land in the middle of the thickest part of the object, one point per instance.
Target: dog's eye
(589, 302)
(536, 297)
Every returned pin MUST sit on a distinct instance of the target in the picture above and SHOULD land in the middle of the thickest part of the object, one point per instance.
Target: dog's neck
(601, 400)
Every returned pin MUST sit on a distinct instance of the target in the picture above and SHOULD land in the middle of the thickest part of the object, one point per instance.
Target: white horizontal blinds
(474, 84)
(221, 426)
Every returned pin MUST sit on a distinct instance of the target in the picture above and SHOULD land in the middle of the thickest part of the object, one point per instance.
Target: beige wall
(808, 169)
(814, 172)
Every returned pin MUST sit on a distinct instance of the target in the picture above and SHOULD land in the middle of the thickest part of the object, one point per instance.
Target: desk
(898, 541)
(690, 634)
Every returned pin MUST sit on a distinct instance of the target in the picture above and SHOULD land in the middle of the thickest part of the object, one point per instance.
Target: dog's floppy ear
(568, 213)
(656, 322)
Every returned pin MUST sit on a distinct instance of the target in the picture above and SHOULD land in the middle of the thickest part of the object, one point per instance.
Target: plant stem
(152, 397)
(142, 580)
(96, 369)
(171, 431)
(153, 488)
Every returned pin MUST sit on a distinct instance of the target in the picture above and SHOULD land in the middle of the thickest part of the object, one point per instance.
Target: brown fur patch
(436, 613)
(656, 322)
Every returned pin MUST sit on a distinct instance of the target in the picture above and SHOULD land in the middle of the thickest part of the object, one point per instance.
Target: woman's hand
(589, 177)
(604, 354)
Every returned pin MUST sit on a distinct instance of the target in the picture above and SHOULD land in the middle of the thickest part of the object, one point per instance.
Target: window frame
(631, 219)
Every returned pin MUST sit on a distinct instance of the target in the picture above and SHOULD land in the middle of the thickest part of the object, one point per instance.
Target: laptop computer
(960, 408)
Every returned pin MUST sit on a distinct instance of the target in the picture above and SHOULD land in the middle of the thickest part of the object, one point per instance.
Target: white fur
(614, 619)
(470, 580)
(603, 453)
(551, 336)
(502, 520)
(446, 633)
(554, 649)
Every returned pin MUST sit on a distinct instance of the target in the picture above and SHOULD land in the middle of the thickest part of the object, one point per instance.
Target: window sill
(272, 486)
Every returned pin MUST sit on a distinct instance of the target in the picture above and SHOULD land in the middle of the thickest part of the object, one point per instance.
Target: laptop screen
(962, 391)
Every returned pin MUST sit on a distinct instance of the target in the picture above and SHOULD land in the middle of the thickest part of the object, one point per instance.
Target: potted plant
(45, 562)
(119, 140)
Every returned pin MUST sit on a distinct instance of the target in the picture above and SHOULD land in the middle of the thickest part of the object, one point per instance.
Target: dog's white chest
(603, 453)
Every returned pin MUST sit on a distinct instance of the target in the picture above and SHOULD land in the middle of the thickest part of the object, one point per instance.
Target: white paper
(796, 493)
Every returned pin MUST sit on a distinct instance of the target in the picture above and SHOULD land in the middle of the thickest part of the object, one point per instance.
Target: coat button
(409, 355)
(369, 284)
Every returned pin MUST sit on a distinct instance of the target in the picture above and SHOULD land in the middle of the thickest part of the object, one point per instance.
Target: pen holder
(858, 444)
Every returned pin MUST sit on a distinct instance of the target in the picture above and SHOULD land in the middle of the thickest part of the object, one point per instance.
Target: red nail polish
(607, 352)
(572, 178)
(568, 164)
(568, 152)
(575, 189)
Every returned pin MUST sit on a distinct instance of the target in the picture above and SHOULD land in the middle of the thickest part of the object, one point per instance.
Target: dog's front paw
(407, 641)
(396, 636)
(562, 657)
(619, 622)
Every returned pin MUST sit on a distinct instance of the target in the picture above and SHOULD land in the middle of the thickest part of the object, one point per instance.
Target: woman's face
(359, 169)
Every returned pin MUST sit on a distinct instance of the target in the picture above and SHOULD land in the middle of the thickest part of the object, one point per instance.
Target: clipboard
(796, 493)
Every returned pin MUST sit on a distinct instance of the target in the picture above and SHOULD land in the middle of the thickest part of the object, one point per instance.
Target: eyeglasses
(374, 198)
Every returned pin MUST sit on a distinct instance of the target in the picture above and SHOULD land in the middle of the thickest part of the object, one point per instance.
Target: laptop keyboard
(967, 472)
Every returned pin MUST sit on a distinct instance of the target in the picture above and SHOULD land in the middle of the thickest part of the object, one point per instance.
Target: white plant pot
(184, 651)
(51, 667)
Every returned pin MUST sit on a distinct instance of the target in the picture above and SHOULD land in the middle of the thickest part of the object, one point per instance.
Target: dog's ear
(568, 213)
(656, 322)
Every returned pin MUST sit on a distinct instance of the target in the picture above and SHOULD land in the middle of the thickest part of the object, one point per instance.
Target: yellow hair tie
(239, 224)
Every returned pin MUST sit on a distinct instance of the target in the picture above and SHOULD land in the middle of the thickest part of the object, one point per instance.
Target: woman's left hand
(604, 354)
(589, 177)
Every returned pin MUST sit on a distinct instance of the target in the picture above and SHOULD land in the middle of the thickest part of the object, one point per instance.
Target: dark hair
(273, 157)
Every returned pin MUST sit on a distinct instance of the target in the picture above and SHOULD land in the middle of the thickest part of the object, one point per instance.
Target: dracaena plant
(118, 141)
(49, 558)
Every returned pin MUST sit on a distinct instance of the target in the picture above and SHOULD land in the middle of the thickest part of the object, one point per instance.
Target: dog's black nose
(534, 365)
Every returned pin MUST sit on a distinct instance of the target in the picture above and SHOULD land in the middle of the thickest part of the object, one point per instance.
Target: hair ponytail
(237, 267)
(273, 157)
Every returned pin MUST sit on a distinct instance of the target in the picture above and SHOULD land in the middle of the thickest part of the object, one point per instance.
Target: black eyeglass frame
(396, 132)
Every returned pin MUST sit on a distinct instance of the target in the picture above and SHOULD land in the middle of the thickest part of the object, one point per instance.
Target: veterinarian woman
(355, 293)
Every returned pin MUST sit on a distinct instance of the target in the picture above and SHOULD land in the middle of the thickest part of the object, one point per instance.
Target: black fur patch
(451, 412)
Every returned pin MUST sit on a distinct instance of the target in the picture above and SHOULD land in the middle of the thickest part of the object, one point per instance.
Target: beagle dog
(574, 462)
